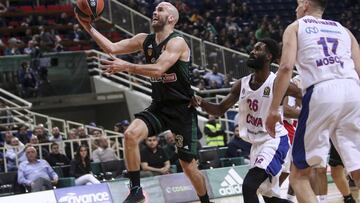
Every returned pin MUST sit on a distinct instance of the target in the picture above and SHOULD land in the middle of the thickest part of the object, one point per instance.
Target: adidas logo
(231, 184)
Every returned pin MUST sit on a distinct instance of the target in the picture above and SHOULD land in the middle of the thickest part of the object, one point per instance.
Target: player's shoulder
(293, 26)
(178, 41)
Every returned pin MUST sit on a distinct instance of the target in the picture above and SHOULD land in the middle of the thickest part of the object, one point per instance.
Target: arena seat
(209, 158)
(115, 167)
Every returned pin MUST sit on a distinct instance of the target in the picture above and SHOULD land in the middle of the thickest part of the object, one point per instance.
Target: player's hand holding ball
(87, 11)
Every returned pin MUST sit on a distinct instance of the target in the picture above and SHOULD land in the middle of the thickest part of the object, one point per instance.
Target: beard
(256, 63)
(159, 25)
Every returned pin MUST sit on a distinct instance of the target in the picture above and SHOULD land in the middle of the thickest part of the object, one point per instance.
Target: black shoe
(135, 196)
(349, 199)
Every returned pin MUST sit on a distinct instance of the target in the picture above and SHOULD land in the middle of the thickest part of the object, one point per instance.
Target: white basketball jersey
(253, 108)
(324, 51)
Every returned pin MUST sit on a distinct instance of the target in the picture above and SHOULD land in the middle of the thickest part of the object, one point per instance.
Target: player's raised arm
(125, 46)
(229, 101)
(176, 49)
(283, 77)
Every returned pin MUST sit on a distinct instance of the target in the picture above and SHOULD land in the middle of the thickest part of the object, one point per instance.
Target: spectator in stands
(80, 167)
(153, 159)
(27, 80)
(262, 32)
(104, 153)
(77, 34)
(81, 133)
(64, 19)
(35, 142)
(214, 76)
(15, 154)
(237, 146)
(30, 47)
(56, 136)
(214, 132)
(23, 134)
(170, 150)
(40, 134)
(47, 39)
(8, 136)
(124, 125)
(72, 135)
(55, 158)
(195, 77)
(13, 47)
(35, 173)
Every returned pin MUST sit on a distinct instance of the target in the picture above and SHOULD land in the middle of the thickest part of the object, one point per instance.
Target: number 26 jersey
(324, 51)
(254, 107)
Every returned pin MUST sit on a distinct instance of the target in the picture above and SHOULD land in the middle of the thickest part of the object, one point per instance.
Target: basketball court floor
(333, 196)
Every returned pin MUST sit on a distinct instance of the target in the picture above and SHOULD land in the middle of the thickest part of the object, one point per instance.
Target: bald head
(172, 10)
(31, 153)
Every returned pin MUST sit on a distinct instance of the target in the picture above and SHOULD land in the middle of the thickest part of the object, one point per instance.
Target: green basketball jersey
(174, 84)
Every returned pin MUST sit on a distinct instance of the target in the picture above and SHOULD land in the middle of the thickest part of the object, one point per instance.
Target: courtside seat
(209, 158)
(115, 168)
(234, 161)
(66, 182)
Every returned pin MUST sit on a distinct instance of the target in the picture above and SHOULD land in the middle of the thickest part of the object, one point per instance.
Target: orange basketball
(89, 8)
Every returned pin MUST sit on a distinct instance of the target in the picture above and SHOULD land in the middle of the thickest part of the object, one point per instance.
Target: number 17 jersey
(324, 51)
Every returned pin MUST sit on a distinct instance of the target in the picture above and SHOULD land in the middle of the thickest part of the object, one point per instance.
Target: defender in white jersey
(254, 93)
(328, 61)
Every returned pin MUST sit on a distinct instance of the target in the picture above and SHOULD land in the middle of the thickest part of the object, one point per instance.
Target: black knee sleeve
(252, 182)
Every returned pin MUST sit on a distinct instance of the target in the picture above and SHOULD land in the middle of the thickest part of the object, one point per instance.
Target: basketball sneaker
(135, 196)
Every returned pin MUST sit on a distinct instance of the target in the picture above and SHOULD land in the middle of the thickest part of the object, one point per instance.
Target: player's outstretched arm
(355, 52)
(225, 104)
(294, 91)
(283, 77)
(176, 49)
(125, 46)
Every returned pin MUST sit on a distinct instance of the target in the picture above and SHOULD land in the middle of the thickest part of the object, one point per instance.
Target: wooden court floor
(333, 196)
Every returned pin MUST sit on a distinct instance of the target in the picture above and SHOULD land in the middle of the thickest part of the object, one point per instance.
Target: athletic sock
(134, 177)
(204, 198)
(322, 198)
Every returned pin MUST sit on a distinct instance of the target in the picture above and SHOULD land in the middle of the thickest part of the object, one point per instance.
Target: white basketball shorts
(331, 109)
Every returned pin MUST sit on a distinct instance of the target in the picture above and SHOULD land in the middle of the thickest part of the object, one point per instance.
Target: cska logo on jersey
(266, 92)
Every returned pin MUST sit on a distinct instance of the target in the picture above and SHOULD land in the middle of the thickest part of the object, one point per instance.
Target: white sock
(322, 198)
(291, 198)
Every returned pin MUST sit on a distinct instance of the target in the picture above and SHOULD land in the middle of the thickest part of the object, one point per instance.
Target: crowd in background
(237, 24)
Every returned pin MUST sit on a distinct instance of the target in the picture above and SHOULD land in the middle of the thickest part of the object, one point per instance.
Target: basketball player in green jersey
(168, 60)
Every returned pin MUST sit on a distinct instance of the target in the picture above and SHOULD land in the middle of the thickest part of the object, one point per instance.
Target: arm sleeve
(21, 176)
(51, 171)
(96, 157)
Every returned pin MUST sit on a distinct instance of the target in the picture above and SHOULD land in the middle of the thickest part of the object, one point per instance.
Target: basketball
(89, 9)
